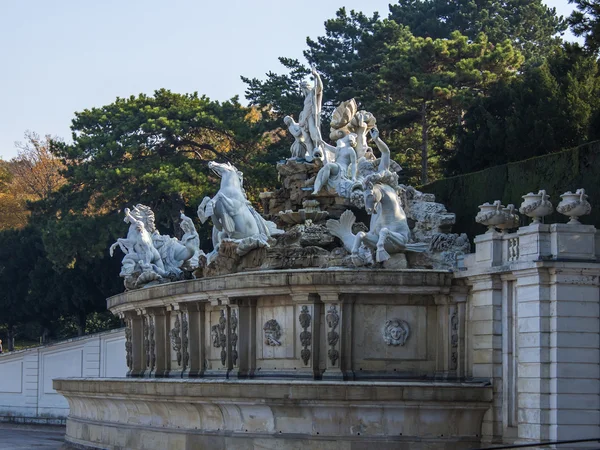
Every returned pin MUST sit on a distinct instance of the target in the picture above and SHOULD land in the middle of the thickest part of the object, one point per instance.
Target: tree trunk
(81, 319)
(424, 143)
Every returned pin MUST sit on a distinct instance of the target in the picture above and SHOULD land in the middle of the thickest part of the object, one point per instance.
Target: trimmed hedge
(557, 173)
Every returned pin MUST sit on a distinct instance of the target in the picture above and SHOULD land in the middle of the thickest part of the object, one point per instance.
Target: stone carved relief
(454, 339)
(184, 341)
(128, 345)
(272, 332)
(305, 335)
(146, 341)
(152, 343)
(234, 336)
(396, 332)
(219, 337)
(176, 339)
(333, 320)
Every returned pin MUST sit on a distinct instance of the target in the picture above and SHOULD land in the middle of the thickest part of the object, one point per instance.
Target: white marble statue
(191, 241)
(175, 254)
(339, 175)
(388, 230)
(232, 215)
(310, 117)
(298, 148)
(142, 262)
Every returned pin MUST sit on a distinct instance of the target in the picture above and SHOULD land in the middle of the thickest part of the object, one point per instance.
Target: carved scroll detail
(128, 345)
(305, 335)
(184, 341)
(234, 336)
(176, 339)
(333, 319)
(454, 339)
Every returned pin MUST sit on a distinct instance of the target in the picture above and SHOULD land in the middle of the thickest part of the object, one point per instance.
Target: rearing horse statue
(232, 214)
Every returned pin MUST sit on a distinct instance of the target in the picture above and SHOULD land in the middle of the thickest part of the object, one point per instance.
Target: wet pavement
(43, 437)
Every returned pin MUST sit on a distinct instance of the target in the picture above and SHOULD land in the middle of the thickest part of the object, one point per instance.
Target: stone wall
(26, 392)
(533, 318)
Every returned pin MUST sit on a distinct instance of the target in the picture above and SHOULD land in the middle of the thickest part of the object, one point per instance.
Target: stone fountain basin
(183, 414)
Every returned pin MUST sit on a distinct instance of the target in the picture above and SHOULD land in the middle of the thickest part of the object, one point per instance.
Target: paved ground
(21, 437)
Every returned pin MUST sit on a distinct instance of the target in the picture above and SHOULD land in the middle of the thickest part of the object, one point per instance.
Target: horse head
(226, 171)
(372, 197)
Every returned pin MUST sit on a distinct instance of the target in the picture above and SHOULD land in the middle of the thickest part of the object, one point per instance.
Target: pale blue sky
(62, 56)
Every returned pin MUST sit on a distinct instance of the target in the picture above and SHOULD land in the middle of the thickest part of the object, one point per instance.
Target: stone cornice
(286, 282)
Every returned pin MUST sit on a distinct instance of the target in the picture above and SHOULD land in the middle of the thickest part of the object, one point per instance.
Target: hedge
(557, 173)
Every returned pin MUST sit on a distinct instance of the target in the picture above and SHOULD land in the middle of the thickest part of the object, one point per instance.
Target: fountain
(319, 326)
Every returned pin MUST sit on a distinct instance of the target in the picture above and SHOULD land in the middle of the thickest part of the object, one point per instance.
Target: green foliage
(436, 79)
(530, 25)
(148, 149)
(556, 173)
(585, 21)
(550, 107)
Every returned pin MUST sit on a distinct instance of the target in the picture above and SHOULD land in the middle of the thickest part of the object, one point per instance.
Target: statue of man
(310, 117)
(341, 174)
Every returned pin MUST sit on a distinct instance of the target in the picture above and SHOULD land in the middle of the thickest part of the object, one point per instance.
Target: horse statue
(232, 215)
(175, 254)
(388, 231)
(142, 262)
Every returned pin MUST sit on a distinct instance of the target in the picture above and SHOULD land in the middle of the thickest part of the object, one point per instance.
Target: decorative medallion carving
(176, 338)
(333, 320)
(305, 335)
(396, 332)
(185, 341)
(272, 332)
(128, 344)
(454, 339)
(234, 336)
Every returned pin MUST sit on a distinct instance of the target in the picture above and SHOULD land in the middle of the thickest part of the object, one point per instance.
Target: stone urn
(574, 205)
(491, 215)
(536, 206)
(511, 219)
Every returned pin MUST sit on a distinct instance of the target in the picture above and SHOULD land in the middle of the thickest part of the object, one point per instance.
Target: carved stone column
(308, 311)
(179, 341)
(137, 364)
(196, 344)
(334, 336)
(160, 341)
(219, 347)
(244, 342)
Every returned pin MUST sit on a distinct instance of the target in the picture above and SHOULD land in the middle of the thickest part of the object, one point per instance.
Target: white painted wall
(26, 392)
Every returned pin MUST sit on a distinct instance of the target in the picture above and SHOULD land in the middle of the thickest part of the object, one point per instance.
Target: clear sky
(62, 56)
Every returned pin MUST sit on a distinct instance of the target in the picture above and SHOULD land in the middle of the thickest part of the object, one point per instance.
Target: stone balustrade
(335, 324)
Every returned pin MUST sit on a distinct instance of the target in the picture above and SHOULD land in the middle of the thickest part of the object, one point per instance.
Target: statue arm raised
(384, 164)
